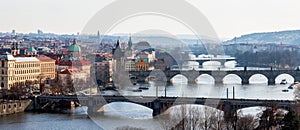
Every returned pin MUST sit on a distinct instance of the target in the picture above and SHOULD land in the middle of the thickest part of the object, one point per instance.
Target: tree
(268, 118)
(245, 122)
(290, 121)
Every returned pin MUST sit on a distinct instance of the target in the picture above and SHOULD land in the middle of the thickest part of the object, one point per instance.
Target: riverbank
(47, 121)
(13, 106)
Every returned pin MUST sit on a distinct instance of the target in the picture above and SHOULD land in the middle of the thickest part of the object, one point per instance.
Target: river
(127, 114)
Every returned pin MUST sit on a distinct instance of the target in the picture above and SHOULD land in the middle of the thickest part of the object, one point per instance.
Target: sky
(229, 18)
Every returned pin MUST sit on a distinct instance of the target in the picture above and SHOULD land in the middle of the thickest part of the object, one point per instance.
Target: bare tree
(245, 122)
(165, 121)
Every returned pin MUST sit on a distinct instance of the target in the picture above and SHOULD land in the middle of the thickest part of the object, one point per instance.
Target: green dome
(69, 59)
(74, 48)
(31, 49)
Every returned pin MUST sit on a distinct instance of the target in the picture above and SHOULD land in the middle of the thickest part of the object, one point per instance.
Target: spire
(17, 45)
(118, 43)
(129, 43)
(98, 34)
(74, 41)
(98, 37)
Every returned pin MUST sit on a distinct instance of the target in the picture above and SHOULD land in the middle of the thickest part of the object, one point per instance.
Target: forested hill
(284, 37)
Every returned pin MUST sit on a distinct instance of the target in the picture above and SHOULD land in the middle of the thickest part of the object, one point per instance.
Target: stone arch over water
(179, 78)
(258, 79)
(119, 106)
(289, 78)
(232, 79)
(205, 79)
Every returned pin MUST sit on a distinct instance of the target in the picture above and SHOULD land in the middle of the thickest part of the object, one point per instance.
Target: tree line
(284, 59)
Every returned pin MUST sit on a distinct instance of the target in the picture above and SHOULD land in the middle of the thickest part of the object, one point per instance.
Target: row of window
(27, 65)
(48, 65)
(26, 77)
(48, 70)
(27, 71)
(50, 76)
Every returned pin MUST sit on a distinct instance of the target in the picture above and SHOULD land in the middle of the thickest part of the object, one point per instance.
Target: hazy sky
(228, 17)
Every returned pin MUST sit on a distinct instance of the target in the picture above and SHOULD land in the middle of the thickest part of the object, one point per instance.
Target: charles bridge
(161, 104)
(218, 75)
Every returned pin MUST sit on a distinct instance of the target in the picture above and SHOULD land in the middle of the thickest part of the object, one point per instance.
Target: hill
(285, 37)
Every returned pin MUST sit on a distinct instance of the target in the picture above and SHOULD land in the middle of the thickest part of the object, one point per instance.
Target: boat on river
(283, 82)
(294, 85)
(137, 90)
(144, 87)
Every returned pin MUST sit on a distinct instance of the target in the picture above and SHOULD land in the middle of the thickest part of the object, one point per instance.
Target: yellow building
(18, 71)
(47, 68)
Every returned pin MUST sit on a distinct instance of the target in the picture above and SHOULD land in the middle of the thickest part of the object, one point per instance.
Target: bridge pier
(245, 81)
(192, 81)
(271, 81)
(156, 107)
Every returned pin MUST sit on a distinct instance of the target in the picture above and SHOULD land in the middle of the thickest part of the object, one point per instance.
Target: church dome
(142, 45)
(31, 49)
(74, 47)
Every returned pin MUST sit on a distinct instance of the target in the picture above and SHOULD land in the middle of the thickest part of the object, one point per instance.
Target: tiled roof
(44, 58)
(7, 56)
(71, 71)
(26, 59)
(80, 62)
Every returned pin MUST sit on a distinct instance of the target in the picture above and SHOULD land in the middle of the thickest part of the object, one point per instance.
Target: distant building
(141, 65)
(130, 65)
(159, 64)
(48, 71)
(102, 72)
(16, 71)
(72, 67)
(68, 77)
(142, 45)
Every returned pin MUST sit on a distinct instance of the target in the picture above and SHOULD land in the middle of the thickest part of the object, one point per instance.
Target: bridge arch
(284, 76)
(201, 109)
(179, 78)
(205, 79)
(232, 79)
(258, 79)
(125, 107)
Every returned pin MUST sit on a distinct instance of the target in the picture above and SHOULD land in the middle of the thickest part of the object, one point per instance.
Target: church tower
(129, 44)
(15, 48)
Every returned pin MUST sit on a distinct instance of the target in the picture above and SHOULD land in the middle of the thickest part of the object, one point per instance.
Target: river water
(127, 114)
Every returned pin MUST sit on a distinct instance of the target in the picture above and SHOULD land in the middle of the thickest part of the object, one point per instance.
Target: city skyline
(229, 18)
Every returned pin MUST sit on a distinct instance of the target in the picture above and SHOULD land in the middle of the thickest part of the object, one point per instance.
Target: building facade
(16, 71)
(19, 71)
(47, 68)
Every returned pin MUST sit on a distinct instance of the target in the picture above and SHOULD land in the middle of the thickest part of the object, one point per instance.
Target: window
(3, 63)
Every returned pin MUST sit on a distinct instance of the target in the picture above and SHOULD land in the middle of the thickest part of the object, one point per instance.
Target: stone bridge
(191, 75)
(161, 104)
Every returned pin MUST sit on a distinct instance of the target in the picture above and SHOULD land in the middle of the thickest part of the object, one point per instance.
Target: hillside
(285, 37)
